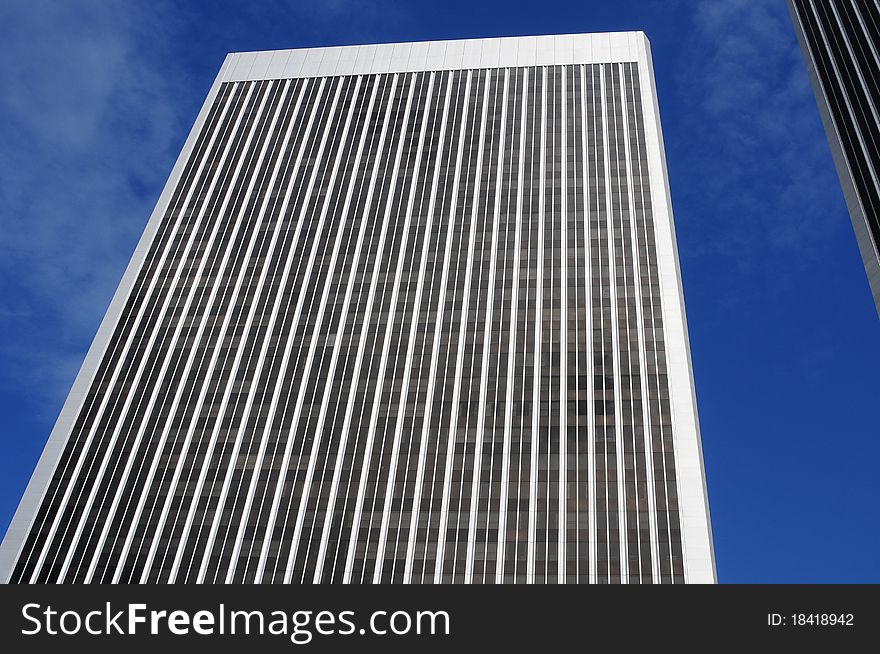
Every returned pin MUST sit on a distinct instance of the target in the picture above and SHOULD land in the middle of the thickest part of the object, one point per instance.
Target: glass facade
(400, 327)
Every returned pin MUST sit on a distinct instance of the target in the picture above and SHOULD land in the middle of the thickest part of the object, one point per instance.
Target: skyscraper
(840, 41)
(403, 313)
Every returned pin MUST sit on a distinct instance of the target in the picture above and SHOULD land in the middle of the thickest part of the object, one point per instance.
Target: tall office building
(840, 41)
(404, 313)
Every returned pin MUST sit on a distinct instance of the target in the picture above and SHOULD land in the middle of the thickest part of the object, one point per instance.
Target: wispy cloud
(754, 176)
(88, 127)
(95, 99)
(96, 102)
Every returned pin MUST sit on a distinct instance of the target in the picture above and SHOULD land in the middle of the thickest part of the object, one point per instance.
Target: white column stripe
(386, 356)
(356, 257)
(487, 336)
(238, 220)
(313, 347)
(539, 309)
(608, 252)
(212, 534)
(459, 366)
(182, 192)
(630, 140)
(562, 509)
(141, 366)
(511, 356)
(353, 263)
(615, 332)
(420, 470)
(858, 70)
(425, 198)
(366, 207)
(239, 354)
(588, 288)
(328, 518)
(212, 366)
(389, 486)
(134, 523)
(252, 176)
(441, 302)
(262, 365)
(184, 376)
(358, 510)
(629, 255)
(166, 226)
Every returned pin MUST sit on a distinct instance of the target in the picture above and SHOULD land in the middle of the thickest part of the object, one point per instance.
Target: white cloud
(92, 114)
(751, 165)
(87, 89)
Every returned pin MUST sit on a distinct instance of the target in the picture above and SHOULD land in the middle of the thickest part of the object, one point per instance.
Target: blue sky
(96, 99)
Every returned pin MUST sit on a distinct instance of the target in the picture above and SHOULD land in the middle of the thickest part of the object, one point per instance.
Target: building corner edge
(35, 490)
(698, 547)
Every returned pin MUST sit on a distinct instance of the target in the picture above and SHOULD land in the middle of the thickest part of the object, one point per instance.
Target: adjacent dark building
(840, 40)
